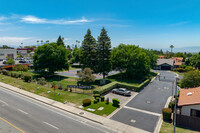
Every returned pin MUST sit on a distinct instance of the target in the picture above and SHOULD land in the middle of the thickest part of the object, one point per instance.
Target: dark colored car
(22, 61)
(121, 91)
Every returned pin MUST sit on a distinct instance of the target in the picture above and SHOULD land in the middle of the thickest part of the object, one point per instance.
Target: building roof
(189, 96)
(161, 57)
(178, 63)
(177, 58)
(165, 61)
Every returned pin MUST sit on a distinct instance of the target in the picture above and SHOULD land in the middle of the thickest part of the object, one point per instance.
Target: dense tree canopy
(131, 59)
(60, 41)
(191, 79)
(103, 53)
(50, 57)
(194, 61)
(88, 51)
(153, 58)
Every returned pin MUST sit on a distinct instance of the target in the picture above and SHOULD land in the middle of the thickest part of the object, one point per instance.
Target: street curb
(51, 105)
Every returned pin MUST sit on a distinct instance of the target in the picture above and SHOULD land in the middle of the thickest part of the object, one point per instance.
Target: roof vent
(189, 94)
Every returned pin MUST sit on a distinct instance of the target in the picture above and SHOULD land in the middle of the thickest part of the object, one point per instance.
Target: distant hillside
(194, 49)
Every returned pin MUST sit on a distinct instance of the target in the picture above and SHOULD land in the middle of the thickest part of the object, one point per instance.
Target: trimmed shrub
(19, 67)
(97, 98)
(60, 86)
(96, 95)
(188, 68)
(41, 81)
(27, 77)
(53, 84)
(95, 92)
(95, 101)
(171, 105)
(86, 102)
(102, 98)
(167, 112)
(115, 102)
(5, 72)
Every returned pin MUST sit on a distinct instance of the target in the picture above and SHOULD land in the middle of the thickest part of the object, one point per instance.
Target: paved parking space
(121, 98)
(137, 119)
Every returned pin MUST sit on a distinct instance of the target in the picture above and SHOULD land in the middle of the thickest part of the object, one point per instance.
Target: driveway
(144, 110)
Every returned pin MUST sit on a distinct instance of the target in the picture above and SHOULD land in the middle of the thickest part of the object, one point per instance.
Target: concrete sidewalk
(111, 124)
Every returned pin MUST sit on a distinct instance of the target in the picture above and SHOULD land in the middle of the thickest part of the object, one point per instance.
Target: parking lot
(144, 110)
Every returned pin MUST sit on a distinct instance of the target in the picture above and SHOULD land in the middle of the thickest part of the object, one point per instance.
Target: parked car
(4, 62)
(22, 61)
(122, 91)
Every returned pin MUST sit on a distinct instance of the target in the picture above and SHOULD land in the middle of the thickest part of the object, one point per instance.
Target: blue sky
(147, 23)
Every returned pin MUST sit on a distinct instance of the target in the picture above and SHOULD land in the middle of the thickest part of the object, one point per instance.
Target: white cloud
(2, 18)
(36, 20)
(13, 41)
(180, 23)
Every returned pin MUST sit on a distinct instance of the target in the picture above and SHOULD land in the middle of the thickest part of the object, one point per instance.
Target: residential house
(177, 61)
(189, 102)
(165, 64)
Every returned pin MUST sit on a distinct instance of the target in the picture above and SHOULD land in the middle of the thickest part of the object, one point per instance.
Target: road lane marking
(48, 107)
(51, 125)
(22, 111)
(144, 111)
(3, 102)
(12, 125)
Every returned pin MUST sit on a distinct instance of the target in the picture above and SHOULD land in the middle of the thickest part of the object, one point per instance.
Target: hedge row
(115, 84)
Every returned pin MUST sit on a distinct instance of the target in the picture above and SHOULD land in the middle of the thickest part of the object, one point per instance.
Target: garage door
(165, 67)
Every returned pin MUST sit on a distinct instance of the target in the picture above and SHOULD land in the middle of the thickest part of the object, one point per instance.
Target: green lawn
(168, 128)
(31, 87)
(179, 73)
(108, 108)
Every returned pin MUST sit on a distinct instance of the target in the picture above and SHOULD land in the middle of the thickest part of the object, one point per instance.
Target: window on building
(195, 113)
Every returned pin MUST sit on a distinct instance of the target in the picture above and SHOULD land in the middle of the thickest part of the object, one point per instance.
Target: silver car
(121, 91)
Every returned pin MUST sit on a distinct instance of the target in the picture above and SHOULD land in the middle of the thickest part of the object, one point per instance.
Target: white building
(10, 53)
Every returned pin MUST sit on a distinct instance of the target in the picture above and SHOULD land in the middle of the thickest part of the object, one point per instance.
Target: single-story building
(165, 64)
(25, 51)
(10, 53)
(189, 102)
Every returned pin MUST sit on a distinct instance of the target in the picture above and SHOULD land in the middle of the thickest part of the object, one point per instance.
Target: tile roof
(163, 61)
(189, 96)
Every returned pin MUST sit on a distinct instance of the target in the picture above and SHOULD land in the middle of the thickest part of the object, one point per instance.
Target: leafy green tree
(153, 58)
(103, 53)
(86, 76)
(191, 79)
(76, 54)
(195, 61)
(88, 51)
(50, 57)
(60, 41)
(180, 54)
(10, 61)
(131, 59)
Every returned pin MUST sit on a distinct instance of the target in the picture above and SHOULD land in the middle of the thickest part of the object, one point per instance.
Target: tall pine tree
(103, 54)
(60, 41)
(88, 51)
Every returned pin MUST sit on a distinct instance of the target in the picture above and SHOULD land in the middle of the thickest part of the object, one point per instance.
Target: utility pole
(175, 105)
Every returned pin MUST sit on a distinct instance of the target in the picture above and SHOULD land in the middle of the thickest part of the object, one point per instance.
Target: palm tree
(47, 41)
(171, 46)
(41, 41)
(38, 42)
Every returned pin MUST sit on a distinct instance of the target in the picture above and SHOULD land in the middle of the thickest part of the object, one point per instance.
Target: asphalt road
(33, 117)
(144, 110)
(72, 73)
